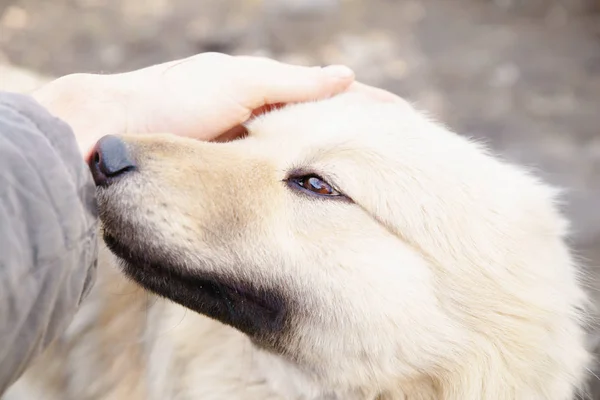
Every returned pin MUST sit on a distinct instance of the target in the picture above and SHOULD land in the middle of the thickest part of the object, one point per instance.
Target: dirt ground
(522, 74)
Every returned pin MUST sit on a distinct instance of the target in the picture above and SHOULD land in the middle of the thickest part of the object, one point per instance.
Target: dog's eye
(316, 185)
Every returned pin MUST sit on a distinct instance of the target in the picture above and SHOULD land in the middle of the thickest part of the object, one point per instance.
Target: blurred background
(522, 74)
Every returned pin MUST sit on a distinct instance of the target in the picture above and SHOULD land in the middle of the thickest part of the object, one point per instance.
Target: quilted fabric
(48, 231)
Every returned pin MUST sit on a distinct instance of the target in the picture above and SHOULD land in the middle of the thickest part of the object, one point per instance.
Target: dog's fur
(442, 273)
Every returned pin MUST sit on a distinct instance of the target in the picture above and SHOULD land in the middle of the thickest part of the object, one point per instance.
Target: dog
(343, 249)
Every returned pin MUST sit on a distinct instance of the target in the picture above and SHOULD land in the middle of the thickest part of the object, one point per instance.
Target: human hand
(204, 96)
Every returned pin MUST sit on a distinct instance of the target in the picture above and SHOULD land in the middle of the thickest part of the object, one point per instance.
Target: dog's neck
(270, 376)
(291, 383)
(286, 379)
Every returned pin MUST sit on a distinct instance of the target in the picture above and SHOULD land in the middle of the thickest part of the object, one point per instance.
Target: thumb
(267, 81)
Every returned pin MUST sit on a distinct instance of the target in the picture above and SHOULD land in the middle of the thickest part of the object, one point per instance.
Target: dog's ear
(495, 238)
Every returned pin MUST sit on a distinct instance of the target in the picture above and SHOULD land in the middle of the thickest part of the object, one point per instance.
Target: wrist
(93, 105)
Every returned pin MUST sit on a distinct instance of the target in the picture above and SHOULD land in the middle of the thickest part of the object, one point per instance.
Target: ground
(524, 75)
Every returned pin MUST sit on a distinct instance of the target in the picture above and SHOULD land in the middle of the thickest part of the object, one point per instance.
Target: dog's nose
(110, 159)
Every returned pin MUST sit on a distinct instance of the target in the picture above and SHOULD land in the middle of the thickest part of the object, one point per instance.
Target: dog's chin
(261, 314)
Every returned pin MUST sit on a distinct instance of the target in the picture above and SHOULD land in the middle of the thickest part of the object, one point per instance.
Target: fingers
(371, 92)
(268, 81)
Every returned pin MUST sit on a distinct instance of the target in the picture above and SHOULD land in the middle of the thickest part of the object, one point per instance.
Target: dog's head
(361, 241)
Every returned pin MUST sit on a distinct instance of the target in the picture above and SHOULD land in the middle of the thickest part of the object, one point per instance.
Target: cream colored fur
(446, 277)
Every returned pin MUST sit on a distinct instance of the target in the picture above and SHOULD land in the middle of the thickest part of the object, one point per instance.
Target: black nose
(110, 159)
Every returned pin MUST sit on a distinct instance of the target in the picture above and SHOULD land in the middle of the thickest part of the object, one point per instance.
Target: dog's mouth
(259, 313)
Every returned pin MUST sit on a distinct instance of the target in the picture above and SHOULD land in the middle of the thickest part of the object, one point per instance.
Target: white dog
(345, 249)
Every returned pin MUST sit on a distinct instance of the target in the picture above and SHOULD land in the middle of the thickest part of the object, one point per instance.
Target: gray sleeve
(48, 231)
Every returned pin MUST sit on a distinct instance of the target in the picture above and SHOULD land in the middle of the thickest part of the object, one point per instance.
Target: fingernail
(339, 71)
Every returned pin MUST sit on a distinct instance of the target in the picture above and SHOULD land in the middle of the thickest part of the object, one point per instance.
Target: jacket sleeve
(48, 231)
